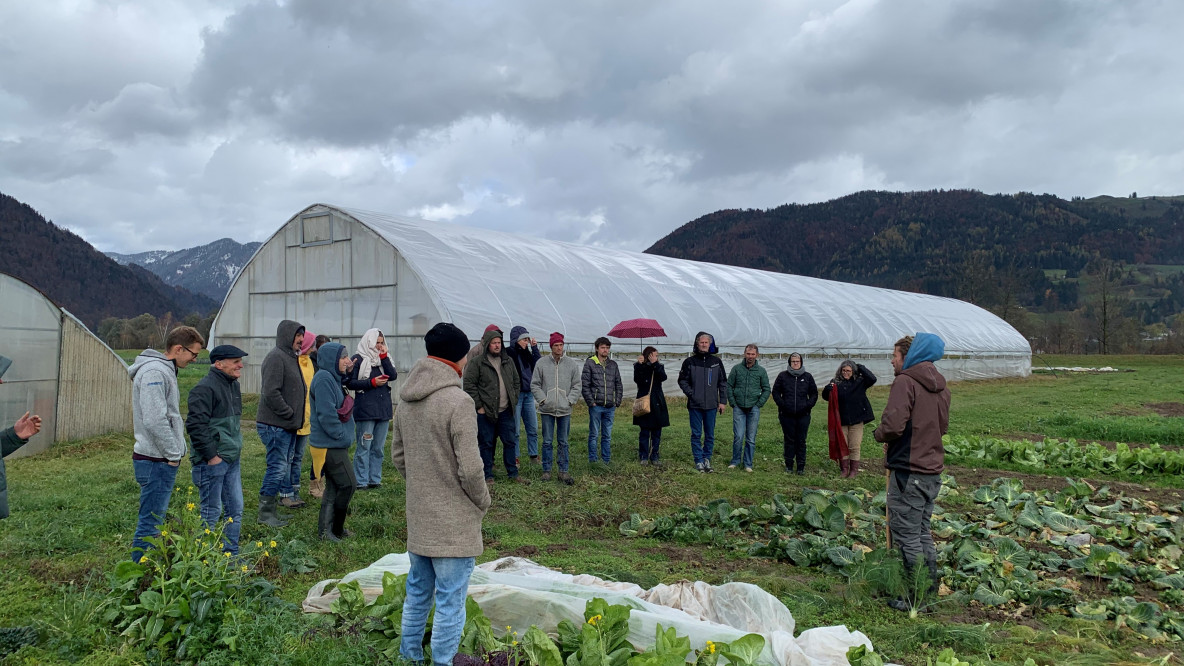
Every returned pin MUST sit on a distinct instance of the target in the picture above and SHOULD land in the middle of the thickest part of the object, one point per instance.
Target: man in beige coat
(434, 447)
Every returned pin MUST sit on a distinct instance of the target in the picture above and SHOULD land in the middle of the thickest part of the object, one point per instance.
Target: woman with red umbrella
(648, 374)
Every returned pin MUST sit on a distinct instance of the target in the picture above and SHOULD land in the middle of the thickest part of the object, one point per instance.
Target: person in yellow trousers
(308, 368)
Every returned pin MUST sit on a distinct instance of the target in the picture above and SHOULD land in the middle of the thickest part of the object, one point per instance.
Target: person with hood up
(556, 388)
(911, 427)
(795, 394)
(215, 431)
(524, 350)
(280, 415)
(12, 439)
(600, 385)
(370, 380)
(434, 447)
(648, 374)
(703, 380)
(333, 430)
(849, 387)
(492, 382)
(159, 428)
(748, 391)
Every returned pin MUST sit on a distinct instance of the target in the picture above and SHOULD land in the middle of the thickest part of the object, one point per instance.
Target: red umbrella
(638, 328)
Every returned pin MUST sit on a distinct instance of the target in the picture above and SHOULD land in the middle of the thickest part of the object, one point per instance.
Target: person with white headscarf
(370, 380)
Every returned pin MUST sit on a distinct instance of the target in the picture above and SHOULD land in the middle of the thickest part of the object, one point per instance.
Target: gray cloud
(609, 123)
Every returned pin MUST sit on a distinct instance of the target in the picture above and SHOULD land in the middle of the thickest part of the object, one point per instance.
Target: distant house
(60, 370)
(340, 271)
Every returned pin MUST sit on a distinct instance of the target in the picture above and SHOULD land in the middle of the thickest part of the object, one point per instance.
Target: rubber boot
(845, 464)
(325, 523)
(853, 469)
(267, 512)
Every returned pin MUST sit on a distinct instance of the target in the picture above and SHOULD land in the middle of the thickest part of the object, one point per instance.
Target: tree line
(147, 331)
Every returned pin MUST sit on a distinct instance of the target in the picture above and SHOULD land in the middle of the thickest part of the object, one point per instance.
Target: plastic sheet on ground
(517, 592)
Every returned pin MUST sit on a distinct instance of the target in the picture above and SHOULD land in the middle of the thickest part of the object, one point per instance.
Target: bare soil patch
(1168, 409)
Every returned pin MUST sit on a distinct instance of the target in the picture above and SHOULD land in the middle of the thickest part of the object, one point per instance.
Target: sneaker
(731, 467)
(566, 478)
(748, 469)
(800, 472)
(707, 465)
(700, 467)
(375, 486)
(546, 476)
(520, 481)
(362, 487)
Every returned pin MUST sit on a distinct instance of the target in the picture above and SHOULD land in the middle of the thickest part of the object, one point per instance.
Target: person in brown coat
(434, 447)
(911, 426)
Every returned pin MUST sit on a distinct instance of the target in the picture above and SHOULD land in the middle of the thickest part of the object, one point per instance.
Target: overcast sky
(171, 123)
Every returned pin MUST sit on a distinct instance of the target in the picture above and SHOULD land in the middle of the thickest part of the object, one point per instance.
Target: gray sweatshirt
(156, 407)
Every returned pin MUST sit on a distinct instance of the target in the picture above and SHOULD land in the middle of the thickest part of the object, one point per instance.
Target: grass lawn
(74, 510)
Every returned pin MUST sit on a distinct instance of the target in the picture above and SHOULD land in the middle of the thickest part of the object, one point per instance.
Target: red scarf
(834, 428)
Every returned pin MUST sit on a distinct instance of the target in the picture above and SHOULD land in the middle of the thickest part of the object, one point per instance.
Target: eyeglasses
(191, 352)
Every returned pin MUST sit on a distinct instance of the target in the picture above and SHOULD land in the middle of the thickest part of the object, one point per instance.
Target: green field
(74, 508)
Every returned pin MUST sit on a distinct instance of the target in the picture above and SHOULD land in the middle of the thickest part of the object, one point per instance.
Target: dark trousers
(340, 483)
(648, 442)
(488, 432)
(793, 431)
(910, 513)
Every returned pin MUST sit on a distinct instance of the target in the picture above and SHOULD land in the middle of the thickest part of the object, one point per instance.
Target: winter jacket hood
(327, 357)
(925, 347)
(285, 335)
(711, 349)
(327, 396)
(516, 333)
(915, 418)
(156, 412)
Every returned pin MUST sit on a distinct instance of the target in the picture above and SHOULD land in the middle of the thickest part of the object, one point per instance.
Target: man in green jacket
(10, 440)
(492, 382)
(748, 391)
(215, 412)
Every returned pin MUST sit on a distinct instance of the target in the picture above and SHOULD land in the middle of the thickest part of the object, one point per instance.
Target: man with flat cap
(216, 438)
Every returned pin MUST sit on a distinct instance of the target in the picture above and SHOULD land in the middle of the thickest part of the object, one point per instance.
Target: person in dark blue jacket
(705, 383)
(370, 380)
(333, 430)
(795, 393)
(524, 351)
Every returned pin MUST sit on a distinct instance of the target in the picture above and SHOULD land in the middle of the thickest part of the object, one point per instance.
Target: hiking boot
(546, 476)
(844, 468)
(566, 478)
(292, 502)
(853, 469)
(316, 488)
(520, 481)
(268, 514)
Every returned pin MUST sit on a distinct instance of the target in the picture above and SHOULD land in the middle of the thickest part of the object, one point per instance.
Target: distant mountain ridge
(81, 279)
(206, 269)
(960, 243)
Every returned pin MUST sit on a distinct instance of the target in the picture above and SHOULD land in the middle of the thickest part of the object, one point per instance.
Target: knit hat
(307, 344)
(446, 341)
(555, 337)
(491, 327)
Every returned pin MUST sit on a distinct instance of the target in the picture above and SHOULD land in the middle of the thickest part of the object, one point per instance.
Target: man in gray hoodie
(159, 428)
(556, 386)
(434, 447)
(281, 413)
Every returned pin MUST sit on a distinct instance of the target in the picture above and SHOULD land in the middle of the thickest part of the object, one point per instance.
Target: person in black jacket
(649, 374)
(795, 394)
(370, 381)
(850, 387)
(704, 381)
(524, 351)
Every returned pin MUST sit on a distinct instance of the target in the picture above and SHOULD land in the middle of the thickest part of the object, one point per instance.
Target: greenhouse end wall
(30, 335)
(333, 276)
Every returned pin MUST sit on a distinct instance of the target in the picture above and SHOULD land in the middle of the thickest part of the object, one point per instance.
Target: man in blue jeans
(434, 447)
(524, 350)
(600, 384)
(159, 429)
(281, 413)
(748, 391)
(556, 387)
(703, 380)
(213, 424)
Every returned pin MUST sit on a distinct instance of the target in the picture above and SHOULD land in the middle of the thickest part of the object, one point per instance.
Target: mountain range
(81, 279)
(206, 269)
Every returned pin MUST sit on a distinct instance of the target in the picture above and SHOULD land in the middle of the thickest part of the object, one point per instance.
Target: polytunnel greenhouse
(60, 371)
(341, 271)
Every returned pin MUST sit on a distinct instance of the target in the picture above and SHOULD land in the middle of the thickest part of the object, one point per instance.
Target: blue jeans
(744, 435)
(156, 481)
(600, 426)
(371, 438)
(702, 426)
(526, 414)
(220, 488)
(555, 428)
(291, 485)
(488, 432)
(447, 579)
(277, 477)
